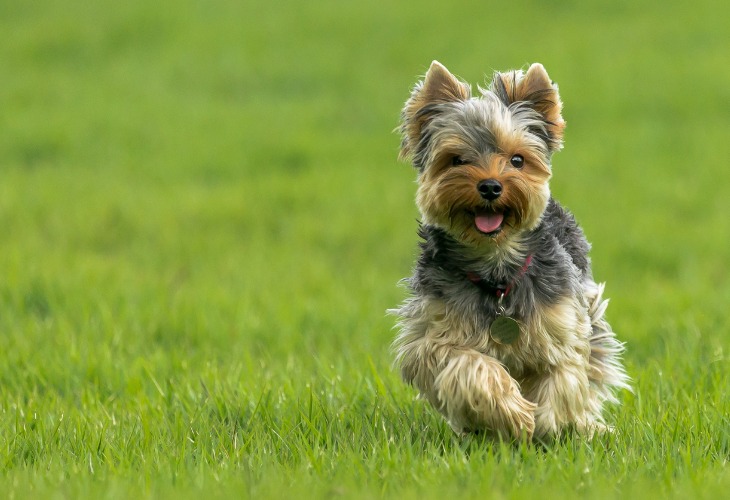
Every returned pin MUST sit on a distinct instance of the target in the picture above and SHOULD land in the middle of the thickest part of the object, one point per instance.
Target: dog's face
(484, 162)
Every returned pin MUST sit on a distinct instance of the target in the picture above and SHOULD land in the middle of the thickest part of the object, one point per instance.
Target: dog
(504, 330)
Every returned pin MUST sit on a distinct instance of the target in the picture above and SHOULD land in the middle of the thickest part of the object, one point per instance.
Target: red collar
(500, 290)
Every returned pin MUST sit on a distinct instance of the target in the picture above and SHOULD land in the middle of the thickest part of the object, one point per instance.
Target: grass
(203, 222)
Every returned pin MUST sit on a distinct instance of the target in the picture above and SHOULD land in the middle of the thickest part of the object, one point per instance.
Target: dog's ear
(540, 93)
(438, 87)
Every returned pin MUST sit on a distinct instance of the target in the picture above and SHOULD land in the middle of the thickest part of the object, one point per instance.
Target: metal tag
(504, 330)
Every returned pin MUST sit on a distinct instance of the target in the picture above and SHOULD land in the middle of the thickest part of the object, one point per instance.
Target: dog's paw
(547, 427)
(514, 416)
(594, 429)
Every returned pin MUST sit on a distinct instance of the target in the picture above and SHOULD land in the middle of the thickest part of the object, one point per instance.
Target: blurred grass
(203, 222)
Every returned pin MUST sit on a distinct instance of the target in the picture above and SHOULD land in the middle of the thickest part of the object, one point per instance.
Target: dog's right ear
(438, 87)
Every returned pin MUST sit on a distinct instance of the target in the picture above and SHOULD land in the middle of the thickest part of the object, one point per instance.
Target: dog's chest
(525, 354)
(534, 346)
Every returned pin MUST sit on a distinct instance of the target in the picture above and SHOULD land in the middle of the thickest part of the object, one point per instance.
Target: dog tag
(504, 330)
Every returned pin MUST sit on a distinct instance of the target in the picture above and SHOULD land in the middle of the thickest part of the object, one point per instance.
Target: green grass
(202, 223)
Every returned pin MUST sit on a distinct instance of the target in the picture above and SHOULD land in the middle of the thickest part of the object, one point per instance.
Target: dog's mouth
(489, 222)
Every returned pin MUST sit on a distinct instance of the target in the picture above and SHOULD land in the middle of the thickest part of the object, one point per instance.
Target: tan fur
(444, 359)
(438, 86)
(566, 361)
(536, 87)
(540, 384)
(447, 198)
(561, 392)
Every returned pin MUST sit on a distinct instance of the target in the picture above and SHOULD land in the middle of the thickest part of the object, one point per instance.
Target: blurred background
(193, 182)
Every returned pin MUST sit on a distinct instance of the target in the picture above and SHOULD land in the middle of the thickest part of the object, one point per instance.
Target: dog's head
(483, 162)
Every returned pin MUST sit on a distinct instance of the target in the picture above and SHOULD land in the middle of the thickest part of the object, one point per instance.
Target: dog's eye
(458, 160)
(517, 161)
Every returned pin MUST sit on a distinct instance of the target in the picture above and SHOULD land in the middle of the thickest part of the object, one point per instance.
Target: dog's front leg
(473, 391)
(562, 399)
(476, 392)
(562, 390)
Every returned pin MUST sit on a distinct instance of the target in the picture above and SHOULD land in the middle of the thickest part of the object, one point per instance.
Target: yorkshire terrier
(504, 332)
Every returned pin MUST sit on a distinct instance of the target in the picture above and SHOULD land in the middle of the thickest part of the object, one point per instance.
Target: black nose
(490, 189)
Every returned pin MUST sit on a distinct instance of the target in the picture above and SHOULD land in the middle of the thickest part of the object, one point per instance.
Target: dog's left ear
(540, 93)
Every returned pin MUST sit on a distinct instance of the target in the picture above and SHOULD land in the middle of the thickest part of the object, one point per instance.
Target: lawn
(203, 221)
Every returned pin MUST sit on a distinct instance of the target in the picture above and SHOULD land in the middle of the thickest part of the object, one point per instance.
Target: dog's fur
(518, 242)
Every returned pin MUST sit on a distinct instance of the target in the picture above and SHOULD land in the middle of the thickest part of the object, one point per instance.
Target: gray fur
(474, 121)
(558, 267)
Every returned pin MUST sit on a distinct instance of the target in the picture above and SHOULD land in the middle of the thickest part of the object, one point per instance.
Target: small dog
(504, 331)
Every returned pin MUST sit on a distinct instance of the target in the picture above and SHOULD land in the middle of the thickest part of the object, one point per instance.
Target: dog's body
(496, 247)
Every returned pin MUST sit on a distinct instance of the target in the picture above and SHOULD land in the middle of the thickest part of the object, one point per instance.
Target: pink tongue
(487, 222)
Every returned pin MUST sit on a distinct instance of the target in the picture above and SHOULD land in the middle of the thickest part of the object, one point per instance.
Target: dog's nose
(490, 189)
